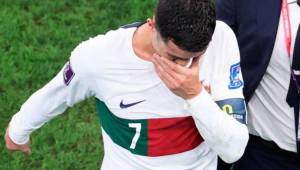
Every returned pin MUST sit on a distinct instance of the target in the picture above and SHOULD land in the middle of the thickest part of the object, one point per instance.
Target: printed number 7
(137, 127)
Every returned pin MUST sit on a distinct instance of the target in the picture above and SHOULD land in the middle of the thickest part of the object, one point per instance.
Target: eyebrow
(176, 57)
(173, 55)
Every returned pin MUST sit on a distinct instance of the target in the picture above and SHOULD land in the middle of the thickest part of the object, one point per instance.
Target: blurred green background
(36, 39)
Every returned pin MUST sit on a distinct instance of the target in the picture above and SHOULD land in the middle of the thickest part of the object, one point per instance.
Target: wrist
(15, 137)
(197, 91)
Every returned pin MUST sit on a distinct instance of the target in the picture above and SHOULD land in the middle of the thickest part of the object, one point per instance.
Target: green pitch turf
(36, 38)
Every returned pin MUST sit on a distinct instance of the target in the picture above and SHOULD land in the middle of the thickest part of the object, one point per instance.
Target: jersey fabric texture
(145, 125)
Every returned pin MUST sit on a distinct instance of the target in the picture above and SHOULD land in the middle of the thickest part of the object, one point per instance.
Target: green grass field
(36, 38)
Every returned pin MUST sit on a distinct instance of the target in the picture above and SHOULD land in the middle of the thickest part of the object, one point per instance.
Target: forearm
(42, 106)
(24, 123)
(45, 104)
(225, 135)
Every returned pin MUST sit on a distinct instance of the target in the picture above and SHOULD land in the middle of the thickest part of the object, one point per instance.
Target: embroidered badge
(235, 81)
(68, 74)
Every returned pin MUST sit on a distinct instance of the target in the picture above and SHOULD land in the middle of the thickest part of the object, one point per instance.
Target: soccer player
(148, 80)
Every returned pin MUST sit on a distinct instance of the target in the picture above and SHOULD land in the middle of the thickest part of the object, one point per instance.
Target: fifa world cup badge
(235, 81)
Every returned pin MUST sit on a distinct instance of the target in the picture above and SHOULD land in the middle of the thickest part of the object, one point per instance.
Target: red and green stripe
(158, 137)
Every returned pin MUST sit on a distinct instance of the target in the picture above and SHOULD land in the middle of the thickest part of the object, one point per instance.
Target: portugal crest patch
(68, 74)
(235, 81)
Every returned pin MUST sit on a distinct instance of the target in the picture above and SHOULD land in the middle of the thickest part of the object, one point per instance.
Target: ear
(151, 22)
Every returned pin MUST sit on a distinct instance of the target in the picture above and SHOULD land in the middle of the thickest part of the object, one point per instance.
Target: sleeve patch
(235, 107)
(235, 81)
(68, 74)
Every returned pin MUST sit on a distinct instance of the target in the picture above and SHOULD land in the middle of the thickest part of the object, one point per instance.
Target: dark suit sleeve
(226, 12)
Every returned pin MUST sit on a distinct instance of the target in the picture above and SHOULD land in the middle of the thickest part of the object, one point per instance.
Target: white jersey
(144, 125)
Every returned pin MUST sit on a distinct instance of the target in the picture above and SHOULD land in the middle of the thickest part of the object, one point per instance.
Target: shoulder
(93, 54)
(223, 33)
(101, 43)
(222, 58)
(224, 44)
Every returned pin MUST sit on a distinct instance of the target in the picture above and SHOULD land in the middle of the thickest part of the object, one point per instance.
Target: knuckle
(177, 85)
(172, 87)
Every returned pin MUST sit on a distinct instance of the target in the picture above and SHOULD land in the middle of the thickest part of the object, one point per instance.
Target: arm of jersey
(63, 91)
(225, 10)
(223, 132)
(225, 135)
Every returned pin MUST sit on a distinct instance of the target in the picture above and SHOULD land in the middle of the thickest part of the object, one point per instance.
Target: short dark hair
(188, 23)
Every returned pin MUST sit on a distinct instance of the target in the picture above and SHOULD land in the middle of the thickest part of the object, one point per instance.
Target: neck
(142, 44)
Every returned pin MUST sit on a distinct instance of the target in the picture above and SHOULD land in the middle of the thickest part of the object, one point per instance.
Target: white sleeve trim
(13, 131)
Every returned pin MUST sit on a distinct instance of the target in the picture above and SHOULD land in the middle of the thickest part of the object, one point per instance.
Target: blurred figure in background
(269, 40)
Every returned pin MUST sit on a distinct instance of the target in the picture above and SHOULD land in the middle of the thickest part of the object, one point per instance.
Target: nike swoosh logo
(124, 106)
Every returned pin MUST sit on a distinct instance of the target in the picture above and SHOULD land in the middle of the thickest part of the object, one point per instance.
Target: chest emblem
(124, 106)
